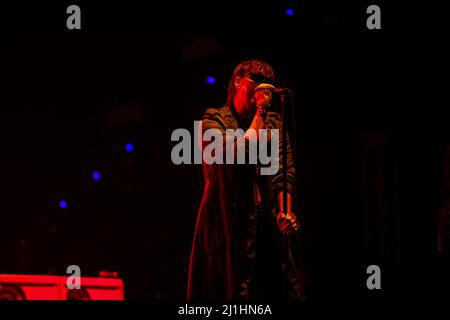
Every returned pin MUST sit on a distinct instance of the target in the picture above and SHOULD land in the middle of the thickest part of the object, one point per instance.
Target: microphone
(263, 95)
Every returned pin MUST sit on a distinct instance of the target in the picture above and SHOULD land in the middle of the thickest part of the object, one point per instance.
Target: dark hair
(254, 66)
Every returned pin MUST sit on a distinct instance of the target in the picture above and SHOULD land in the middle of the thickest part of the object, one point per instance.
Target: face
(244, 99)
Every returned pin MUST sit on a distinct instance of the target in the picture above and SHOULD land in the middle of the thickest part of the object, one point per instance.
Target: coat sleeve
(274, 122)
(236, 149)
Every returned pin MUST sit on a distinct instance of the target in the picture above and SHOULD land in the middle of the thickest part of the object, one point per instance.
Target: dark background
(369, 151)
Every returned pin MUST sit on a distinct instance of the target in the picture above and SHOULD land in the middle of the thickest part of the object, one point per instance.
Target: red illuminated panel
(98, 288)
(37, 287)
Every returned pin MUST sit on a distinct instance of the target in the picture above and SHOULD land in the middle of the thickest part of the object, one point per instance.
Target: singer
(237, 249)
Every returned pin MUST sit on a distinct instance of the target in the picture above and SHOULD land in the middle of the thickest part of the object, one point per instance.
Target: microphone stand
(285, 242)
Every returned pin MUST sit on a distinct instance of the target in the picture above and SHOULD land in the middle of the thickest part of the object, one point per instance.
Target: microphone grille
(265, 88)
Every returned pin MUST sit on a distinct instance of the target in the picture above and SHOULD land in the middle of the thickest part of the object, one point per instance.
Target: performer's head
(246, 77)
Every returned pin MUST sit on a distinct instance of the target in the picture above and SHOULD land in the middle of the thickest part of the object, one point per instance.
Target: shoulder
(217, 117)
(211, 113)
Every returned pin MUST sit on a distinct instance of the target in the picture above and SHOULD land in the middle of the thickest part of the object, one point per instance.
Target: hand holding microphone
(263, 96)
(264, 93)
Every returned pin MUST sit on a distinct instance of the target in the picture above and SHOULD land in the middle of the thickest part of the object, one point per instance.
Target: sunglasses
(259, 78)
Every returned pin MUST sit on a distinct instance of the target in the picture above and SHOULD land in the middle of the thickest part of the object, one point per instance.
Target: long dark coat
(236, 251)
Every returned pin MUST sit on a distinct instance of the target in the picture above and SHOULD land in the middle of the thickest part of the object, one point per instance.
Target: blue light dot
(210, 80)
(129, 147)
(96, 175)
(63, 204)
(289, 12)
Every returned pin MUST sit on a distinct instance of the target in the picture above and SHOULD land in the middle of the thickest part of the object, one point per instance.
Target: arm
(259, 122)
(237, 142)
(279, 195)
(287, 223)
